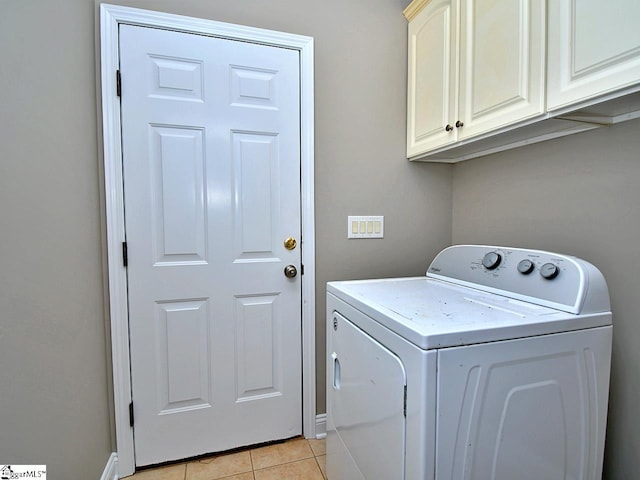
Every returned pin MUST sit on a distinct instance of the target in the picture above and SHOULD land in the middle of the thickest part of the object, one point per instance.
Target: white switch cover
(365, 226)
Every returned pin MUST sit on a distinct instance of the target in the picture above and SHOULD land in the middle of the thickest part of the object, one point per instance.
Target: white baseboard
(111, 469)
(321, 425)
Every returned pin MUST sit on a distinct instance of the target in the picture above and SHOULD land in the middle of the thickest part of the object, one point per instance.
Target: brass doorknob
(290, 243)
(290, 271)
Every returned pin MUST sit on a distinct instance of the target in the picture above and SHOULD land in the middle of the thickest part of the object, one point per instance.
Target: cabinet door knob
(459, 124)
(448, 128)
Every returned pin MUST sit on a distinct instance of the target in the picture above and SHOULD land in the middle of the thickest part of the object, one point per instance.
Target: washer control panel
(492, 260)
(536, 276)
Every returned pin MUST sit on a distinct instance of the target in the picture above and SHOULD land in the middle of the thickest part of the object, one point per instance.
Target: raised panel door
(502, 58)
(594, 49)
(211, 165)
(432, 80)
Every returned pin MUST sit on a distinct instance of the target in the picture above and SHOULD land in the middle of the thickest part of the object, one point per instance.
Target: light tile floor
(296, 459)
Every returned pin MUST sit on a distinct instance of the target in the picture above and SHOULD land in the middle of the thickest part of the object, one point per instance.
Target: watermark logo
(10, 472)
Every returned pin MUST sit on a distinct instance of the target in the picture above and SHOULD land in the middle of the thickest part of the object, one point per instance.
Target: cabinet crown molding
(414, 8)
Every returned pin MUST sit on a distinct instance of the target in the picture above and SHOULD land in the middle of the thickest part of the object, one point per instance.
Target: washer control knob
(491, 260)
(549, 271)
(525, 267)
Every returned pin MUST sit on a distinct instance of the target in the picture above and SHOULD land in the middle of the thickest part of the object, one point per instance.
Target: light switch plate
(371, 226)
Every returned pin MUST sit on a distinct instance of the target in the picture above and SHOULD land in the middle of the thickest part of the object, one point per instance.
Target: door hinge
(405, 401)
(118, 83)
(125, 254)
(301, 269)
(131, 414)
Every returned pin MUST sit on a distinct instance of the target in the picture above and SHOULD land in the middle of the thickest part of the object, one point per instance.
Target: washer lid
(432, 313)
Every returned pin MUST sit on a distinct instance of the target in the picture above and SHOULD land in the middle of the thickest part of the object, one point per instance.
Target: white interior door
(211, 153)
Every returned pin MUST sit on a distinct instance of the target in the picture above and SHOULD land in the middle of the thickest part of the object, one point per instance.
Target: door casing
(110, 18)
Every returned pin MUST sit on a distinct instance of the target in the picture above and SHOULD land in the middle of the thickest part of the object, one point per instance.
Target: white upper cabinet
(502, 59)
(474, 66)
(490, 75)
(433, 71)
(594, 49)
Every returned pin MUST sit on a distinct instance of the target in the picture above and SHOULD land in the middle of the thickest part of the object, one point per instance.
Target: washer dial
(526, 266)
(549, 271)
(491, 260)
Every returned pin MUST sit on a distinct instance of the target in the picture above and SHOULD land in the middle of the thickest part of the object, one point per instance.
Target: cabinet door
(502, 58)
(432, 88)
(594, 48)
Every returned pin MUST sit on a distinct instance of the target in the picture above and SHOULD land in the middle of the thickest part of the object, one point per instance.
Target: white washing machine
(493, 366)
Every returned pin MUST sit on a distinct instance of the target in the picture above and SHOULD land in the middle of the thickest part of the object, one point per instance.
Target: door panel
(211, 164)
(178, 193)
(182, 350)
(260, 368)
(256, 170)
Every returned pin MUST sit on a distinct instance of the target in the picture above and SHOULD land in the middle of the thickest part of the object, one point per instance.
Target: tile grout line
(253, 471)
(284, 463)
(318, 465)
(314, 455)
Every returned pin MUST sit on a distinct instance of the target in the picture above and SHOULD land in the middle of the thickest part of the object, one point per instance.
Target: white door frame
(110, 17)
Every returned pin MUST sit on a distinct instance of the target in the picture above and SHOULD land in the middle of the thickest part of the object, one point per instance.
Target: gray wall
(578, 195)
(54, 362)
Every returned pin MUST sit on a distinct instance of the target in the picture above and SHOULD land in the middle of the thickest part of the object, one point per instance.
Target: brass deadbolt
(290, 243)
